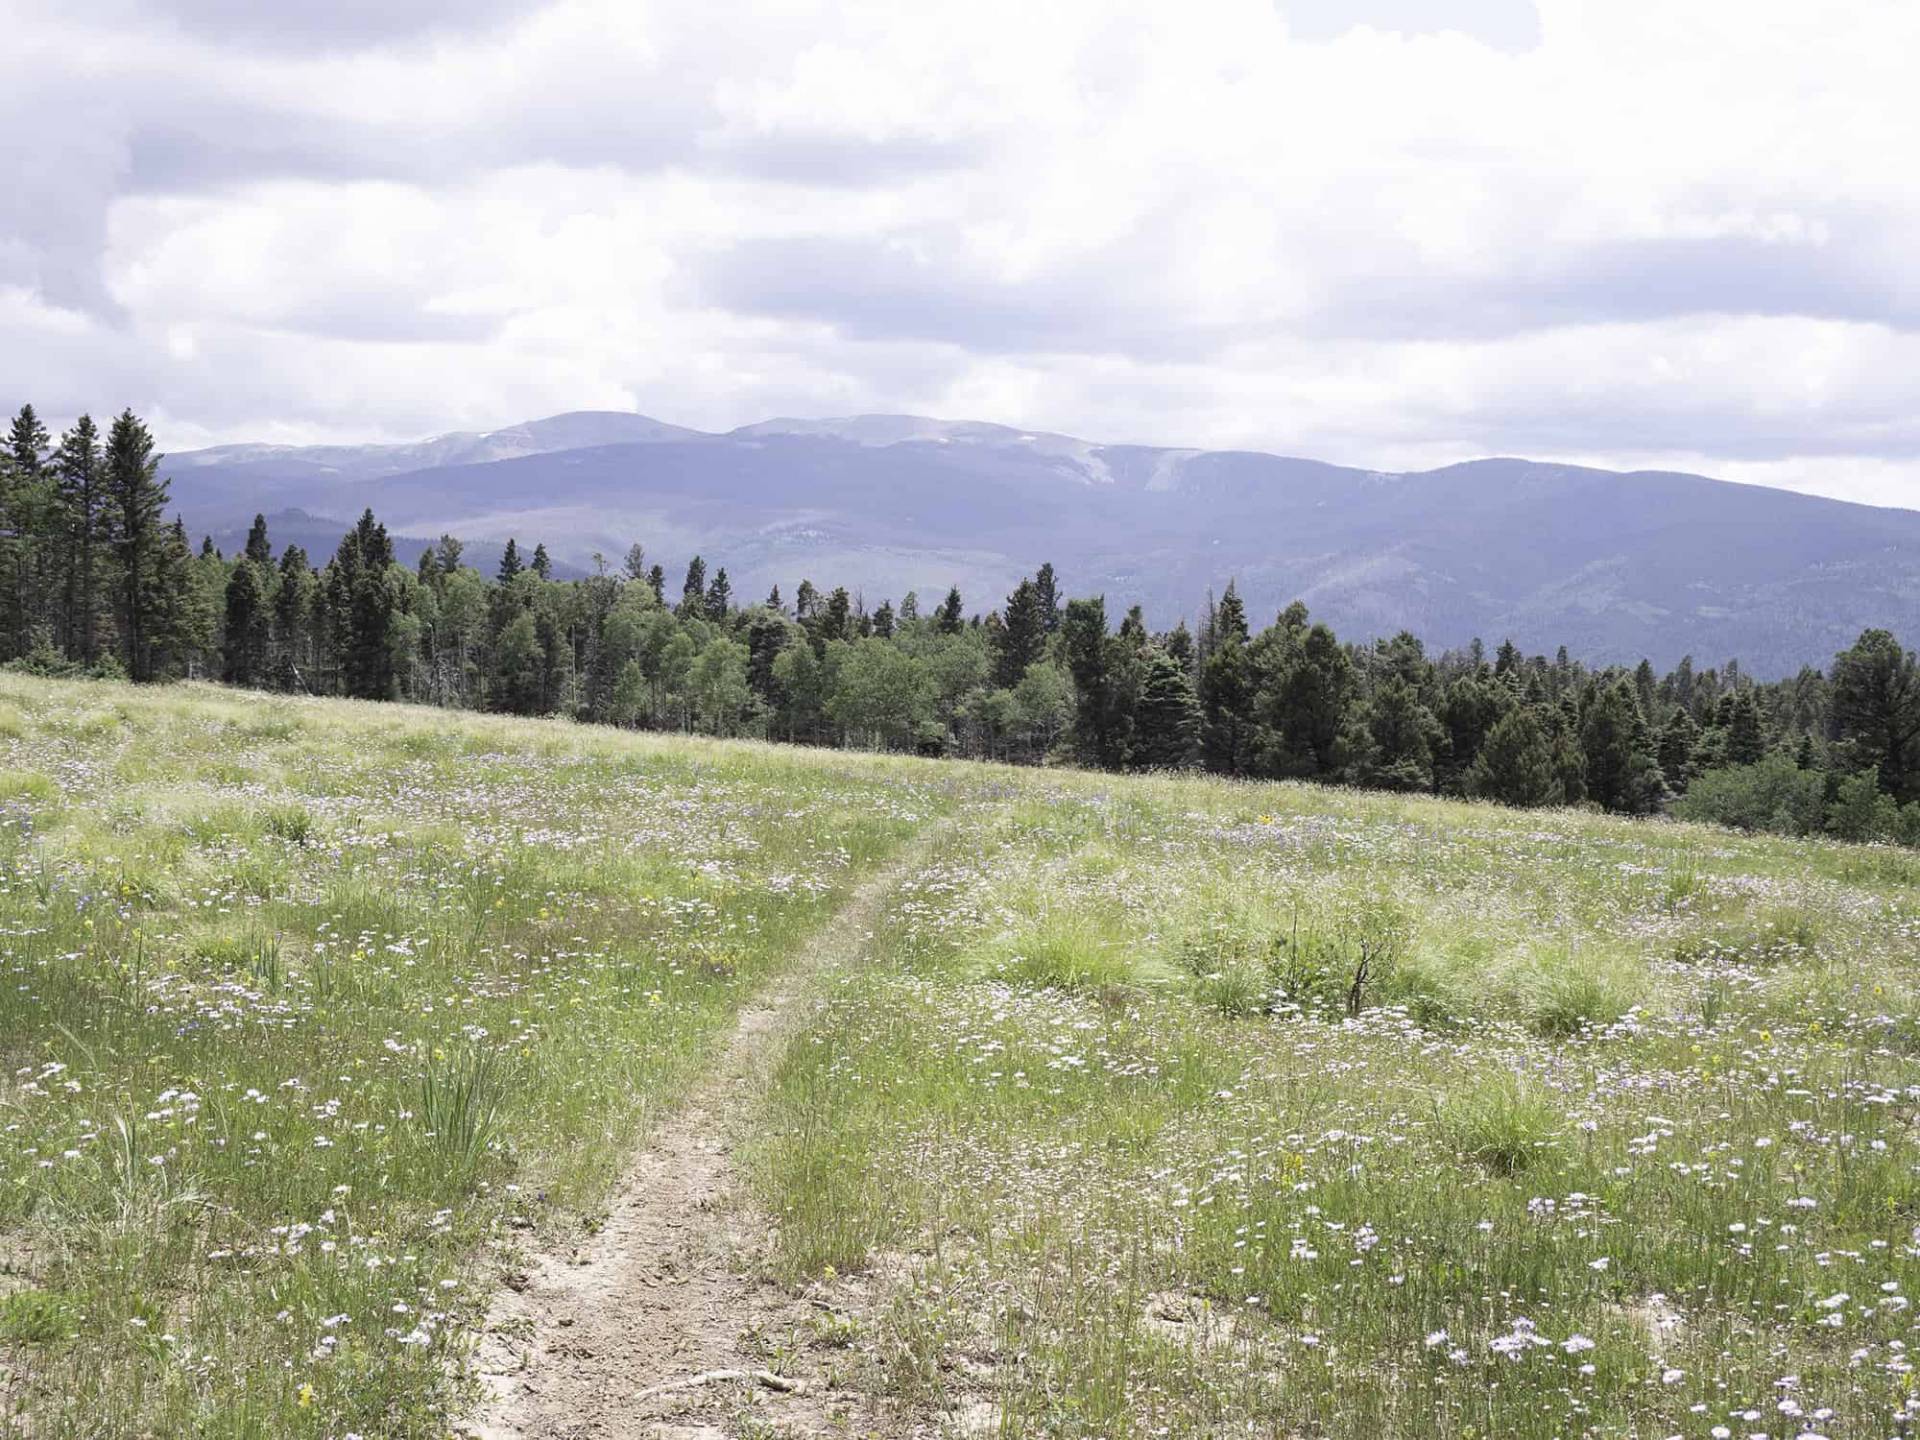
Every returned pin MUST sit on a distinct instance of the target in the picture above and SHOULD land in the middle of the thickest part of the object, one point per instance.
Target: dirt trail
(623, 1336)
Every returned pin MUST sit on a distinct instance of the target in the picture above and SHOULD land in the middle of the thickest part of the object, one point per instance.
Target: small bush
(1505, 1126)
(1066, 952)
(1774, 794)
(1567, 997)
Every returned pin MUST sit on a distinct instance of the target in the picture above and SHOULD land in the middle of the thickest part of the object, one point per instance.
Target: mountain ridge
(1615, 564)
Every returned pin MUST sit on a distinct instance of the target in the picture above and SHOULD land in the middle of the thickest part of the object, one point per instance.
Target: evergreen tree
(636, 563)
(1179, 644)
(909, 608)
(138, 495)
(1230, 617)
(1472, 705)
(720, 596)
(259, 548)
(185, 598)
(1623, 770)
(1305, 709)
(542, 564)
(950, 619)
(1400, 737)
(1679, 740)
(835, 620)
(293, 617)
(1167, 719)
(361, 603)
(27, 441)
(88, 529)
(248, 630)
(1103, 681)
(806, 602)
(774, 602)
(1022, 637)
(1746, 738)
(883, 620)
(1876, 710)
(1047, 589)
(693, 591)
(1227, 698)
(510, 566)
(657, 582)
(1516, 764)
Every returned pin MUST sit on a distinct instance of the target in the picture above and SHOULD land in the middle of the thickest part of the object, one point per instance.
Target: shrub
(1772, 794)
(1862, 811)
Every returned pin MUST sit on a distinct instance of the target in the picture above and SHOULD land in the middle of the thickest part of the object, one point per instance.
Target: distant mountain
(1615, 566)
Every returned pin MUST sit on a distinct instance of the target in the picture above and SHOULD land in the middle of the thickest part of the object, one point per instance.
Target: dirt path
(659, 1325)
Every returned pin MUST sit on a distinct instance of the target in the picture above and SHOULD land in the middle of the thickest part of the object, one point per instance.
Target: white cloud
(1633, 234)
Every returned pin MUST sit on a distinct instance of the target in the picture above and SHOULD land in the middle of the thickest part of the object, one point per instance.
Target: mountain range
(1615, 566)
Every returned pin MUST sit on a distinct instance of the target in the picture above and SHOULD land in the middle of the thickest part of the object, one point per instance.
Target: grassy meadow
(300, 1002)
(1156, 1107)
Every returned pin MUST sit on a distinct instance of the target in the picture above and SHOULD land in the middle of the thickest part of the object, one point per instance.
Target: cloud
(1621, 233)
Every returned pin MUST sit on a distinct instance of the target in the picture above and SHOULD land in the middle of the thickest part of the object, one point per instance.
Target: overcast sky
(1382, 232)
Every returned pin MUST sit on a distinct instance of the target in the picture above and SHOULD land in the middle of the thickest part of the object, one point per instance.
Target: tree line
(94, 580)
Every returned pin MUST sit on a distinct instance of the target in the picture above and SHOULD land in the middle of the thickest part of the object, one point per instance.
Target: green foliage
(1504, 1124)
(1774, 794)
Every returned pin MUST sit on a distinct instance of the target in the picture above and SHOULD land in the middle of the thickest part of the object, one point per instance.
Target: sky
(1389, 233)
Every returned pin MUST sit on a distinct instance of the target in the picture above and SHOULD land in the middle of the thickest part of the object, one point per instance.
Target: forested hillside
(97, 580)
(1615, 566)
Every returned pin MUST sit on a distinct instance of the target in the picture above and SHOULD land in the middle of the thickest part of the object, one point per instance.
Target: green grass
(1622, 1109)
(303, 1002)
(1154, 1107)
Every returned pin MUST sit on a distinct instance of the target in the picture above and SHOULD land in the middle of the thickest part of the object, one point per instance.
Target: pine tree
(293, 616)
(542, 565)
(1105, 682)
(1306, 708)
(1516, 765)
(248, 634)
(835, 621)
(1227, 694)
(1022, 637)
(774, 602)
(883, 620)
(1401, 734)
(657, 582)
(1230, 617)
(1679, 740)
(27, 441)
(1746, 736)
(720, 596)
(1623, 771)
(510, 566)
(185, 598)
(362, 603)
(1166, 733)
(1876, 710)
(693, 591)
(87, 523)
(259, 548)
(1047, 587)
(139, 495)
(950, 619)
